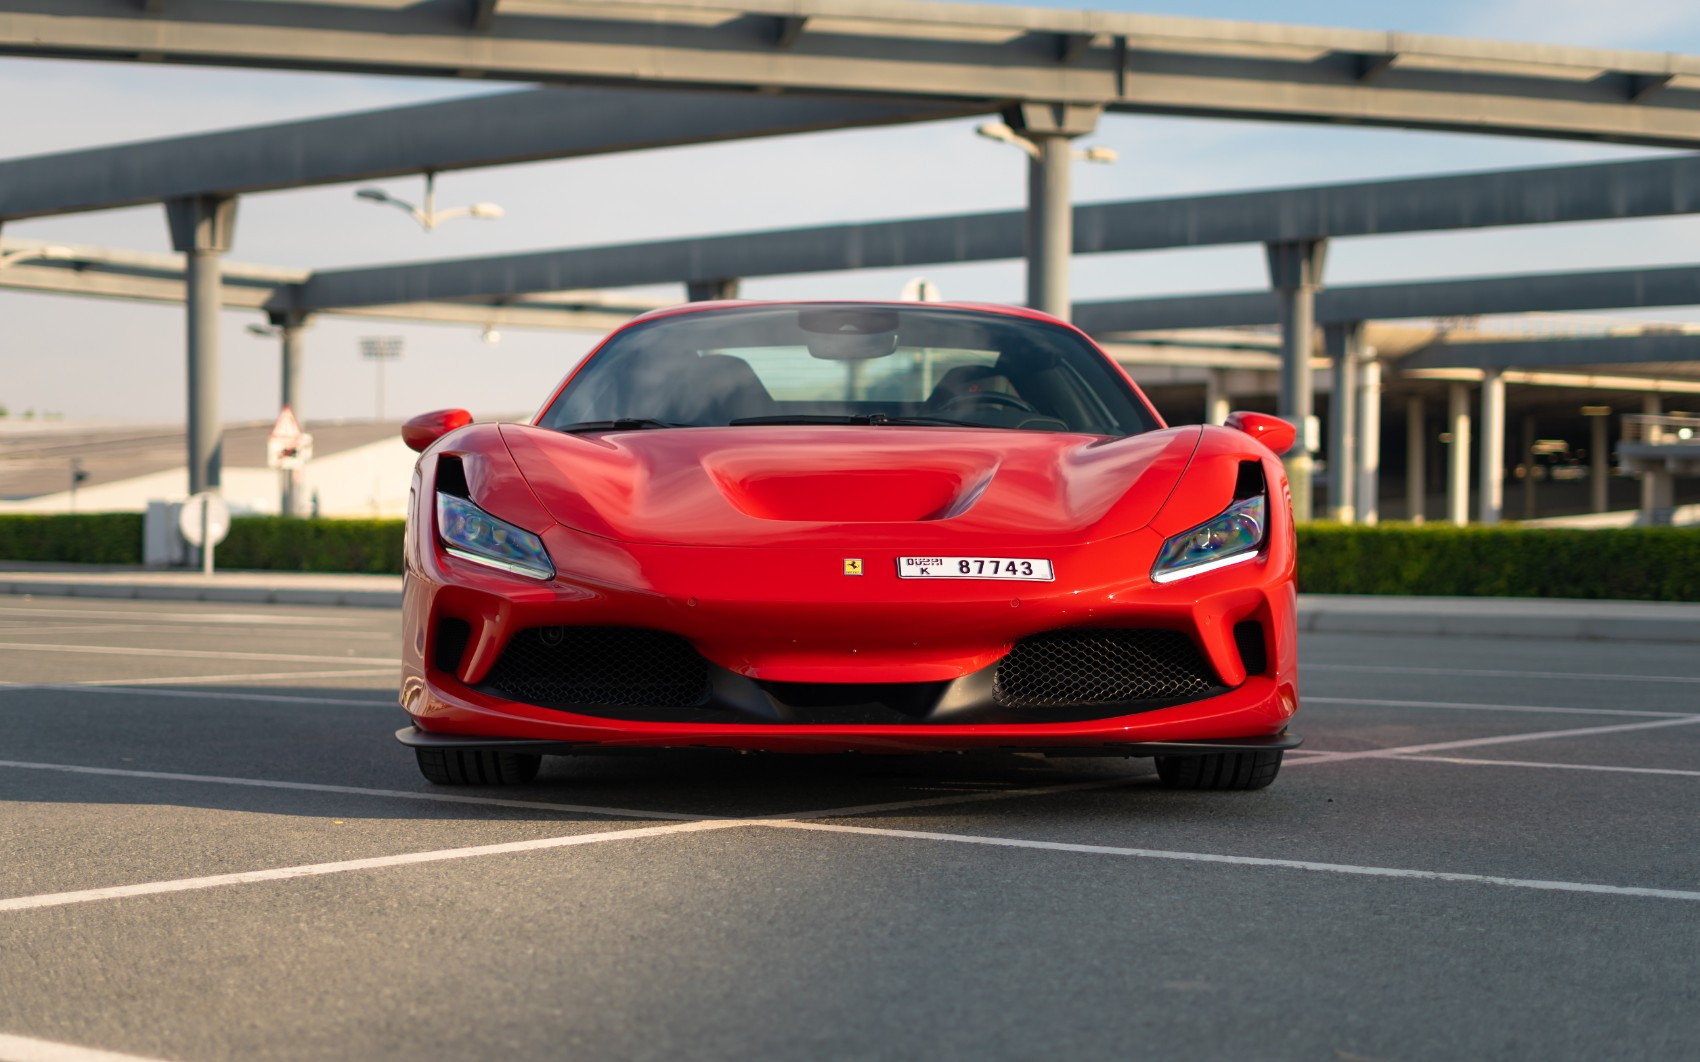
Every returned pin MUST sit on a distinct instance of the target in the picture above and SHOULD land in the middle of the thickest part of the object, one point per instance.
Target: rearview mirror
(421, 431)
(1273, 432)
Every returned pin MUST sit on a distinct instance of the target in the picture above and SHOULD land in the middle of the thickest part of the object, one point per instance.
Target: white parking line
(1390, 669)
(349, 790)
(1473, 707)
(1502, 739)
(192, 680)
(281, 698)
(25, 1049)
(247, 877)
(160, 615)
(196, 654)
(1553, 766)
(693, 822)
(1251, 861)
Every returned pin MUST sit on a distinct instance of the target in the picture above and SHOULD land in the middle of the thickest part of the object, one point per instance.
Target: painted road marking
(197, 654)
(1502, 739)
(282, 698)
(25, 1049)
(1251, 861)
(247, 877)
(1468, 706)
(1554, 766)
(162, 615)
(349, 790)
(1389, 669)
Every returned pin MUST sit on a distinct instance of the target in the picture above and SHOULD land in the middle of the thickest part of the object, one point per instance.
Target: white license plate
(1023, 568)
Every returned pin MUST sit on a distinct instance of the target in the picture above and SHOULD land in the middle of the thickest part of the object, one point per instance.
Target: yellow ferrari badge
(852, 566)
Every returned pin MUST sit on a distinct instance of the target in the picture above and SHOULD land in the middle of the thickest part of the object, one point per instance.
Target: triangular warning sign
(287, 429)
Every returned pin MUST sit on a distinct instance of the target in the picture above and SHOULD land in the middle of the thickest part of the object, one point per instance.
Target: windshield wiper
(619, 424)
(876, 419)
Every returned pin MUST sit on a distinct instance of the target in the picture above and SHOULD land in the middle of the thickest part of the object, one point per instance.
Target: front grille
(623, 666)
(1089, 667)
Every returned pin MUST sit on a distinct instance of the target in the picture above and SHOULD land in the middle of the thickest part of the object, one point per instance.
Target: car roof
(998, 309)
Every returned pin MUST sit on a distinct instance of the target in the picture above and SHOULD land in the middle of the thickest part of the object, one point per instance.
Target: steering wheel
(996, 398)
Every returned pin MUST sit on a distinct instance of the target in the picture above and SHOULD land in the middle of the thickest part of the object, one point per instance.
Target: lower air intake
(1092, 667)
(621, 666)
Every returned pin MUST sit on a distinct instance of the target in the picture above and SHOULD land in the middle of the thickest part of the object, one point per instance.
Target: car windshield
(849, 364)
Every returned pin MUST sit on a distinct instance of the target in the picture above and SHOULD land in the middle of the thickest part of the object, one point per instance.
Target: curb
(242, 595)
(1321, 619)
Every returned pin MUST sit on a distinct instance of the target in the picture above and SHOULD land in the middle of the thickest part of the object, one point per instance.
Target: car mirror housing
(421, 431)
(1273, 432)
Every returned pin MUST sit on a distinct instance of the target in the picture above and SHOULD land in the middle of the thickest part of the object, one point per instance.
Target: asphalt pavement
(215, 850)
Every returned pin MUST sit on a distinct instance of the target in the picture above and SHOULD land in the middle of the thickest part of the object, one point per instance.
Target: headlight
(470, 533)
(1228, 539)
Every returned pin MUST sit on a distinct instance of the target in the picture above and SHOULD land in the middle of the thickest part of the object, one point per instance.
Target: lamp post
(1002, 133)
(381, 349)
(1046, 138)
(429, 217)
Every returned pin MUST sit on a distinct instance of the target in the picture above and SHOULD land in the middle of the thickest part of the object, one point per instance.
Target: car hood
(931, 488)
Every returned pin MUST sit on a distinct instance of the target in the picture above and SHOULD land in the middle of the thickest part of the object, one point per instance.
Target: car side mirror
(421, 431)
(1273, 432)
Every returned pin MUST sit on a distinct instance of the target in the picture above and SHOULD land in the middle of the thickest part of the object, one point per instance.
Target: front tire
(1220, 770)
(476, 766)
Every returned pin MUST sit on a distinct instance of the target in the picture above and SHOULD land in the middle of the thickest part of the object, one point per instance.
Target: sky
(109, 360)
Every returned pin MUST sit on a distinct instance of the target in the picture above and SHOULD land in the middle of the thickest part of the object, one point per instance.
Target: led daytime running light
(470, 533)
(1230, 538)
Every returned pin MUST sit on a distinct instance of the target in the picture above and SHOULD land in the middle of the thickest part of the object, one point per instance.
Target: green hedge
(1654, 564)
(73, 538)
(271, 543)
(1638, 563)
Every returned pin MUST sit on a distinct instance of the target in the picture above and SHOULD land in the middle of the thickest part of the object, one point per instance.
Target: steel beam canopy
(1578, 351)
(1590, 192)
(1622, 289)
(491, 130)
(1137, 63)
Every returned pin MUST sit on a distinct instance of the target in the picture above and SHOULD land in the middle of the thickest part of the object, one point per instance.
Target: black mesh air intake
(625, 666)
(1254, 651)
(1088, 667)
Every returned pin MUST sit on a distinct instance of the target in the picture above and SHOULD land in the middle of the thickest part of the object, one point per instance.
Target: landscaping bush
(1642, 563)
(272, 543)
(72, 538)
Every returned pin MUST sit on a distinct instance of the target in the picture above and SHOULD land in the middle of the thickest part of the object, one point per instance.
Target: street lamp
(430, 217)
(1004, 134)
(54, 251)
(381, 349)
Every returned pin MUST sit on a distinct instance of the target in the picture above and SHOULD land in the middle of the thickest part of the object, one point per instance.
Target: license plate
(1022, 568)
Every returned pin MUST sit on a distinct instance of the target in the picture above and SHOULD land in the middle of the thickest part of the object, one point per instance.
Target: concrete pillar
(712, 290)
(1651, 406)
(1528, 459)
(1599, 464)
(1295, 271)
(1368, 493)
(1658, 496)
(1416, 455)
(1340, 343)
(1458, 459)
(201, 228)
(1051, 128)
(1492, 485)
(289, 326)
(1217, 403)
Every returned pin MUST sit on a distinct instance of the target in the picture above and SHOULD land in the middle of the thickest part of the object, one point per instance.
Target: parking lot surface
(214, 849)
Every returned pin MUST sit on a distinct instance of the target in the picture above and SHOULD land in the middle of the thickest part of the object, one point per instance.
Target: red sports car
(825, 527)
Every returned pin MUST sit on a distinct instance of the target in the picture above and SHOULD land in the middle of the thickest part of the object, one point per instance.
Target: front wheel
(1220, 770)
(476, 766)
